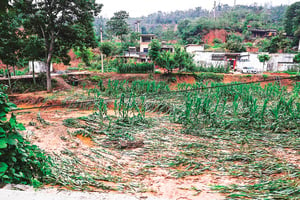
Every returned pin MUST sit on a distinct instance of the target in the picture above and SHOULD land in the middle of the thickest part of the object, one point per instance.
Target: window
(146, 39)
(218, 57)
(145, 50)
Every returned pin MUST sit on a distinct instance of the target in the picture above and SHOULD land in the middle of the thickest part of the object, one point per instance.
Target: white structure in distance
(39, 67)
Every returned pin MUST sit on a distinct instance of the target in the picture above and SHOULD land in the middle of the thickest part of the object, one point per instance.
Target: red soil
(86, 140)
(218, 33)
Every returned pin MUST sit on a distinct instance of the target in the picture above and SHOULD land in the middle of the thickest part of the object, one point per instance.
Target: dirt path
(51, 194)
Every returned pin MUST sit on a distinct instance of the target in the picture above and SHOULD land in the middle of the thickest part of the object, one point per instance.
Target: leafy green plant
(20, 161)
(215, 69)
(208, 76)
(136, 68)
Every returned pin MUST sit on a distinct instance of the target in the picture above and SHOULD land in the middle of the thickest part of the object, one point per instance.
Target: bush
(217, 69)
(26, 85)
(20, 162)
(136, 68)
(265, 76)
(208, 76)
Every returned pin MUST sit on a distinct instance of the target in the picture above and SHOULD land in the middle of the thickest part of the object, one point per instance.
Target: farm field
(145, 138)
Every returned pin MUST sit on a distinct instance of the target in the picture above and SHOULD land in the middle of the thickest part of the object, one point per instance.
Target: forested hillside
(193, 23)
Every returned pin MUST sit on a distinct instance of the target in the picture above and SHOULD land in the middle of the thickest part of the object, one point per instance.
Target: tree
(62, 24)
(166, 60)
(108, 49)
(3, 6)
(154, 51)
(183, 59)
(10, 40)
(292, 19)
(263, 58)
(117, 25)
(297, 58)
(234, 43)
(85, 54)
(33, 50)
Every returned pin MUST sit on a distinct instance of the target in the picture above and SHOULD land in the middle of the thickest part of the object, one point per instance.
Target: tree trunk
(8, 76)
(49, 58)
(14, 69)
(33, 73)
(49, 85)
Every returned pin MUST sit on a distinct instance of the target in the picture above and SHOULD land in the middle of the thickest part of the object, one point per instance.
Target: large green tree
(10, 40)
(183, 59)
(154, 52)
(62, 24)
(292, 19)
(166, 60)
(117, 25)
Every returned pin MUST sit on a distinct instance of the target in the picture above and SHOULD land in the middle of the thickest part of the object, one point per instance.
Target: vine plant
(20, 162)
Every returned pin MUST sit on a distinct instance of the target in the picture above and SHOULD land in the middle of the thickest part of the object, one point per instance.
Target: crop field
(213, 140)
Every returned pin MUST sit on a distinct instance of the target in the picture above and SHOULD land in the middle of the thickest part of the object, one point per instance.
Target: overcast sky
(138, 8)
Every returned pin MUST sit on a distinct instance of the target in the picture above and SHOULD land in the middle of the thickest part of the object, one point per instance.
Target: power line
(153, 95)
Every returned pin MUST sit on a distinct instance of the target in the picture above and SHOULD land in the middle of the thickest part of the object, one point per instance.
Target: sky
(138, 8)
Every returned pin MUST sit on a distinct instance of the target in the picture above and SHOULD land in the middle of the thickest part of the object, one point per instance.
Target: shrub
(209, 76)
(265, 76)
(215, 69)
(136, 68)
(20, 162)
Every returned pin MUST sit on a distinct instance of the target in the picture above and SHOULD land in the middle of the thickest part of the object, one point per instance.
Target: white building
(193, 48)
(39, 67)
(277, 62)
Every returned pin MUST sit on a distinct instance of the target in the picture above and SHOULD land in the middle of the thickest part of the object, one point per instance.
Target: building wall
(253, 61)
(144, 45)
(39, 67)
(277, 62)
(205, 59)
(193, 49)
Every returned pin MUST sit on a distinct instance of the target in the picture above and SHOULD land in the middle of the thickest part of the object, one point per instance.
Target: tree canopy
(62, 24)
(118, 25)
(292, 19)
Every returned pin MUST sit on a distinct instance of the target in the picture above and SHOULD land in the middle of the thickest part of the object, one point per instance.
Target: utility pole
(234, 3)
(101, 33)
(215, 6)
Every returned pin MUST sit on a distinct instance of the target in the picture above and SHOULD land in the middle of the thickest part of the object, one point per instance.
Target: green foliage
(191, 32)
(27, 85)
(179, 59)
(154, 52)
(215, 69)
(208, 76)
(234, 43)
(166, 60)
(135, 68)
(108, 49)
(297, 58)
(117, 25)
(116, 87)
(265, 76)
(20, 162)
(11, 39)
(85, 54)
(292, 19)
(276, 43)
(217, 41)
(263, 58)
(62, 25)
(182, 59)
